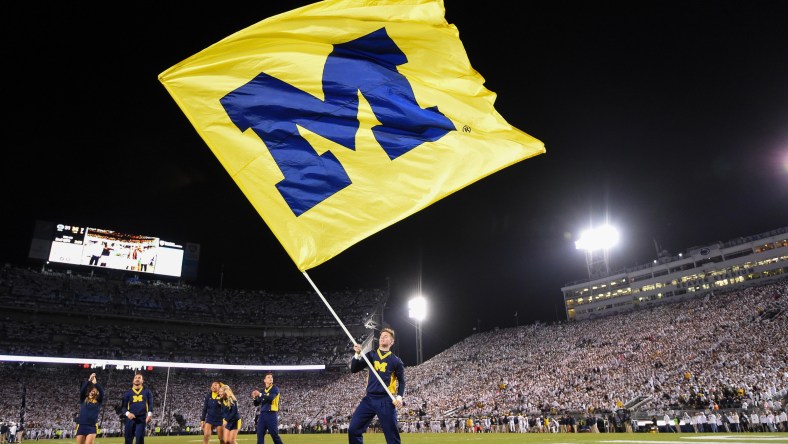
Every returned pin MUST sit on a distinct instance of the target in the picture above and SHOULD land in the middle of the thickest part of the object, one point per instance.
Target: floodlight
(601, 238)
(596, 242)
(417, 308)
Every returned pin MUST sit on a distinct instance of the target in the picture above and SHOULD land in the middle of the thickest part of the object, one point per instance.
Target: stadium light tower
(597, 242)
(417, 310)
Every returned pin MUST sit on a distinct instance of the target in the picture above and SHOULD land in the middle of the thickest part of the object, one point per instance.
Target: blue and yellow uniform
(140, 403)
(212, 410)
(230, 415)
(268, 421)
(378, 398)
(89, 409)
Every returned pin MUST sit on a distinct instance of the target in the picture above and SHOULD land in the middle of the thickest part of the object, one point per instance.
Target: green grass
(497, 438)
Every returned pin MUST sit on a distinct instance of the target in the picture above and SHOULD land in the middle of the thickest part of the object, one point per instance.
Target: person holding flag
(279, 104)
(379, 400)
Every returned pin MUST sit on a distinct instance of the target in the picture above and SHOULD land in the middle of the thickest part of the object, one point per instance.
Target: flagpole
(352, 339)
(164, 407)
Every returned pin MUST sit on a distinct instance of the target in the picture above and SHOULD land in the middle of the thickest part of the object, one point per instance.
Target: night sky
(669, 119)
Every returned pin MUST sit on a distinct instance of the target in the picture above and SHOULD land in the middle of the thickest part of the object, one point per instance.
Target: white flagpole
(164, 406)
(352, 339)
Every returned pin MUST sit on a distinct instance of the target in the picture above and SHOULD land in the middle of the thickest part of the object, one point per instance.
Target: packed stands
(704, 358)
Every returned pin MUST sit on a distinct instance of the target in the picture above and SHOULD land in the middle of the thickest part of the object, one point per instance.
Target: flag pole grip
(352, 339)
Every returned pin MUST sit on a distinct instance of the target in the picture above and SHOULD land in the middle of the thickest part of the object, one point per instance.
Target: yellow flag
(343, 117)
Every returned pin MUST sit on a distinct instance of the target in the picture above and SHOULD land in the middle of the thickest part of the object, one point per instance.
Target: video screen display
(96, 247)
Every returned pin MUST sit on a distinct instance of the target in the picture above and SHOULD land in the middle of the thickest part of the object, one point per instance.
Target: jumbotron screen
(97, 247)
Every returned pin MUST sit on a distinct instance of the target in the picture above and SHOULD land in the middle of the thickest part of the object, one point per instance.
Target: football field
(496, 438)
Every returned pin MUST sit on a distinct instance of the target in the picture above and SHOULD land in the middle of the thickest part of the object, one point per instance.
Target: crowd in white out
(718, 355)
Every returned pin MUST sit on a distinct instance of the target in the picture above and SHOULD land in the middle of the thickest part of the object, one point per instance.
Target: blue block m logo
(273, 108)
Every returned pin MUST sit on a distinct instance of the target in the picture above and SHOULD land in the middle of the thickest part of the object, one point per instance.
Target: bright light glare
(600, 238)
(417, 308)
(123, 364)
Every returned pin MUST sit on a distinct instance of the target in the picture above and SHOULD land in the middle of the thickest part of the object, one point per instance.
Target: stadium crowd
(716, 363)
(180, 322)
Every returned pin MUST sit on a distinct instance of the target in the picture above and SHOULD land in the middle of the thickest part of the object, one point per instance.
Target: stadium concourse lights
(417, 309)
(137, 365)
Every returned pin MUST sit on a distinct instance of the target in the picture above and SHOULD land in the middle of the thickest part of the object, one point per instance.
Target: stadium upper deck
(719, 267)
